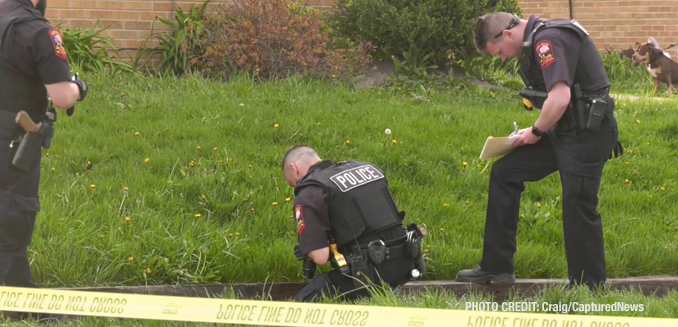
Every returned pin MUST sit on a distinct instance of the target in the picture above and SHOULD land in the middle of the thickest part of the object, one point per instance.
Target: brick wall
(613, 23)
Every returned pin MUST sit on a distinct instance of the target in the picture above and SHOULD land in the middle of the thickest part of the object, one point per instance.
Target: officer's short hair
(488, 27)
(295, 153)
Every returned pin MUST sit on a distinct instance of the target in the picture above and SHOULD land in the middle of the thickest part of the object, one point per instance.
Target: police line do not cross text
(554, 307)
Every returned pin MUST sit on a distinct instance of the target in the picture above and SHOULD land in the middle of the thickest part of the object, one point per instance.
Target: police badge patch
(300, 219)
(545, 54)
(58, 43)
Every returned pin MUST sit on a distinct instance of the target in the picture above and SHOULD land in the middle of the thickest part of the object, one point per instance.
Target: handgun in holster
(533, 99)
(413, 246)
(37, 136)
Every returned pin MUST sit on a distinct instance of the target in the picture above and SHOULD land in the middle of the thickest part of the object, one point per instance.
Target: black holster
(362, 269)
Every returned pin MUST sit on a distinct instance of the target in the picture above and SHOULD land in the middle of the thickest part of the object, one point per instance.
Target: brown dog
(659, 64)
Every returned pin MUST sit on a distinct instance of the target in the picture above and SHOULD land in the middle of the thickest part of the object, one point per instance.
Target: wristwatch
(537, 132)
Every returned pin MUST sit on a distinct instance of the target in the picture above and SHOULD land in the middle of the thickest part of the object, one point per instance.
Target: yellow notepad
(497, 147)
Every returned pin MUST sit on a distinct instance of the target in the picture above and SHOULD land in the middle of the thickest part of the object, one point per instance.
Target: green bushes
(437, 27)
(90, 51)
(268, 38)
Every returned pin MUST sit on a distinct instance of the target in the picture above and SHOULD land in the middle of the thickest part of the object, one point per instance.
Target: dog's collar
(655, 58)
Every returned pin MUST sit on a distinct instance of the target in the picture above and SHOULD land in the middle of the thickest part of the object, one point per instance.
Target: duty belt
(394, 248)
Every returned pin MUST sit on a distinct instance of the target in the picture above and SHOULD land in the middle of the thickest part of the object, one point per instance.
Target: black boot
(477, 275)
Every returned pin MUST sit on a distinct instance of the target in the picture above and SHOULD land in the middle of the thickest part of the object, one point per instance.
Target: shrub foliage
(438, 27)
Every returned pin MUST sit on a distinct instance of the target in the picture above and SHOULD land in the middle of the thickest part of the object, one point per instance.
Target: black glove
(297, 252)
(82, 87)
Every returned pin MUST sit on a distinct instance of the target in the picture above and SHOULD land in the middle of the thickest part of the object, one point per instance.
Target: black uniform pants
(394, 272)
(19, 205)
(579, 157)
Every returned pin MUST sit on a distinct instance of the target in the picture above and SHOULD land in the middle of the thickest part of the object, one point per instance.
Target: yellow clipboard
(497, 147)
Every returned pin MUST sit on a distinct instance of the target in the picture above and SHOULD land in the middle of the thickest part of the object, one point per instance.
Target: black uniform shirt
(556, 51)
(37, 58)
(313, 221)
(310, 211)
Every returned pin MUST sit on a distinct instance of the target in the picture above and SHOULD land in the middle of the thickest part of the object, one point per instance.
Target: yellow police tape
(270, 313)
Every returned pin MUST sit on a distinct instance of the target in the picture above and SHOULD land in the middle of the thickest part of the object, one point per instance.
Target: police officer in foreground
(575, 134)
(346, 215)
(33, 67)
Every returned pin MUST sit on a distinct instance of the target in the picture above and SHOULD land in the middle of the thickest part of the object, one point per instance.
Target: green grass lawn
(195, 165)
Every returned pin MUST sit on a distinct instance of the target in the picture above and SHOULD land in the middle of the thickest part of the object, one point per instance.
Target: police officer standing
(574, 134)
(348, 204)
(33, 67)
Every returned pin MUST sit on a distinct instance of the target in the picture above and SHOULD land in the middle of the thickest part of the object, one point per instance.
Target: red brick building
(612, 23)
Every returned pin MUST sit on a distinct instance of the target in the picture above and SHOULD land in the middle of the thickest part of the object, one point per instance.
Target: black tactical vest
(589, 74)
(15, 85)
(359, 201)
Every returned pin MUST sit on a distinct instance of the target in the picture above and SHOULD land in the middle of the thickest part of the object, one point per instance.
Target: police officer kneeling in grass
(575, 134)
(346, 215)
(33, 66)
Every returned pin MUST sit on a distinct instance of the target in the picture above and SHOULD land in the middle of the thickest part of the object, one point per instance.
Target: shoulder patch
(300, 219)
(545, 53)
(58, 43)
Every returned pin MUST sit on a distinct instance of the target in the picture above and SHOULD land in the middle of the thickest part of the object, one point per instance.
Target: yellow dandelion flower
(491, 94)
(538, 205)
(662, 189)
(442, 229)
(137, 133)
(637, 173)
(130, 259)
(288, 200)
(425, 250)
(230, 235)
(122, 94)
(467, 201)
(319, 123)
(215, 148)
(92, 186)
(626, 181)
(89, 164)
(185, 270)
(276, 126)
(119, 229)
(445, 205)
(169, 182)
(348, 141)
(203, 197)
(53, 169)
(197, 215)
(147, 160)
(637, 121)
(400, 89)
(275, 204)
(221, 161)
(47, 154)
(394, 142)
(464, 163)
(126, 189)
(127, 219)
(198, 147)
(252, 209)
(237, 234)
(230, 159)
(148, 270)
(250, 166)
(428, 246)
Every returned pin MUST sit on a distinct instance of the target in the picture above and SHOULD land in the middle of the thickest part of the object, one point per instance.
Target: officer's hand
(82, 86)
(526, 137)
(297, 252)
